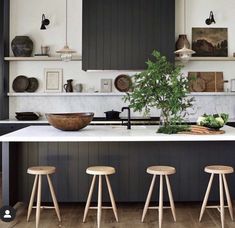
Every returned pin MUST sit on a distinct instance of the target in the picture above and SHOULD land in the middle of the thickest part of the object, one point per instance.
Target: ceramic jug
(68, 87)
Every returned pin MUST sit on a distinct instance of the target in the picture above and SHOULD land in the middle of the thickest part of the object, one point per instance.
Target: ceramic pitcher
(68, 87)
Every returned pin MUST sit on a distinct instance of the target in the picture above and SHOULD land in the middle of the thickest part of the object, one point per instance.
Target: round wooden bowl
(69, 121)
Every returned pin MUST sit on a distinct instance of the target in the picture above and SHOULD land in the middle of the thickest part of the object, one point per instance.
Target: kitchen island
(129, 151)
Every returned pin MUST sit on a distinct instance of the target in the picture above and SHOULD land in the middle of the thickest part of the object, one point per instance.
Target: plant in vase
(162, 86)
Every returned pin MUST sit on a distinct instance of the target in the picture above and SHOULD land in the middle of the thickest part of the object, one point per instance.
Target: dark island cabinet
(6, 128)
(121, 34)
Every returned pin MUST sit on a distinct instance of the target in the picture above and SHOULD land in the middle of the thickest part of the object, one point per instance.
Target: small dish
(27, 115)
(33, 85)
(20, 83)
(123, 83)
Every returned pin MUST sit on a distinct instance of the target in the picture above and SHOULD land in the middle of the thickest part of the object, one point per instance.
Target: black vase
(22, 46)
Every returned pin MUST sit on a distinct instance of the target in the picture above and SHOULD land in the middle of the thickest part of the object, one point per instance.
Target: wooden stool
(161, 171)
(38, 172)
(100, 171)
(221, 171)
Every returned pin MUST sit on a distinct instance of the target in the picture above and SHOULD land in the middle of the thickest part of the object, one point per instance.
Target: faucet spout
(129, 117)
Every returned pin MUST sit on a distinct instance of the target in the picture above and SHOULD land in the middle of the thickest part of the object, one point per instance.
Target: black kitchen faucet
(129, 117)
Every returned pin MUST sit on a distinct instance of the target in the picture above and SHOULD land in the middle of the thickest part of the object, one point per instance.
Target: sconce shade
(43, 27)
(45, 22)
(211, 19)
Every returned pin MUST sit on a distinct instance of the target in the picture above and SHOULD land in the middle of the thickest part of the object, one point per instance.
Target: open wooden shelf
(40, 58)
(107, 94)
(62, 94)
(209, 59)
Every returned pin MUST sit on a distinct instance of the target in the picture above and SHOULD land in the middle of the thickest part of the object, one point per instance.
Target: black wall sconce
(211, 19)
(45, 22)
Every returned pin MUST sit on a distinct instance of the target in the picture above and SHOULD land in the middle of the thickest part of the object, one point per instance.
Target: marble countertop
(108, 134)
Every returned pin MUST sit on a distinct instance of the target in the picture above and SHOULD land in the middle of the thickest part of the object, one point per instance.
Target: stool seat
(219, 169)
(100, 170)
(161, 170)
(41, 170)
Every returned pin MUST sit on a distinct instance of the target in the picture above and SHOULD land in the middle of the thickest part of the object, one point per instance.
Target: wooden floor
(129, 216)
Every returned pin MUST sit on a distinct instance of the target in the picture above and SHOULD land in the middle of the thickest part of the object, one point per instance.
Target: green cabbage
(215, 121)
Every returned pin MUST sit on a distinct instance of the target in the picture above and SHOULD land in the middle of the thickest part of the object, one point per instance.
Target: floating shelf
(212, 94)
(107, 94)
(62, 94)
(40, 58)
(209, 59)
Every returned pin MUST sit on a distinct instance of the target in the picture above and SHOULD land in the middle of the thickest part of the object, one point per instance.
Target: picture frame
(106, 85)
(210, 42)
(53, 79)
(232, 85)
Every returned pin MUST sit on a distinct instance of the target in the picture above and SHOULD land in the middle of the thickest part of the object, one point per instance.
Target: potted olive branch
(161, 86)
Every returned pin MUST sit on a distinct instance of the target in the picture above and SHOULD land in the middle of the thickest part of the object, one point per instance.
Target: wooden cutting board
(206, 81)
(200, 130)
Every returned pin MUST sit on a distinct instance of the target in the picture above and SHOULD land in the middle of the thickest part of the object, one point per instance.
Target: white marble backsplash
(99, 104)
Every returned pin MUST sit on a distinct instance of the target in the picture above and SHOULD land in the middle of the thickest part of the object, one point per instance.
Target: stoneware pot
(22, 46)
(182, 40)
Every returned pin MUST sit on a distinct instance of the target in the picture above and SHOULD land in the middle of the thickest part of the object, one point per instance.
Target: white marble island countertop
(108, 134)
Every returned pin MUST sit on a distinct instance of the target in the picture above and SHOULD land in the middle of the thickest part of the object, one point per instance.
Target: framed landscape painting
(210, 42)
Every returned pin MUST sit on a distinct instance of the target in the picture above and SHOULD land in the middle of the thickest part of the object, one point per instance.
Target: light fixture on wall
(66, 52)
(45, 22)
(184, 52)
(211, 19)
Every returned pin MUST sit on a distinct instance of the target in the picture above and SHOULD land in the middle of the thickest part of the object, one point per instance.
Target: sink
(132, 127)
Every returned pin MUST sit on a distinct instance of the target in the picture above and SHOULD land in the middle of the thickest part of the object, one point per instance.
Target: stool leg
(230, 206)
(206, 197)
(160, 212)
(32, 197)
(170, 197)
(221, 200)
(38, 201)
(112, 197)
(99, 202)
(54, 198)
(148, 198)
(89, 198)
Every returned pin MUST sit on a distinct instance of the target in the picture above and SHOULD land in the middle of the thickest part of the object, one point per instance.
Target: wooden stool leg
(54, 198)
(170, 197)
(38, 201)
(148, 198)
(221, 200)
(32, 197)
(206, 197)
(89, 198)
(230, 206)
(99, 202)
(112, 197)
(160, 212)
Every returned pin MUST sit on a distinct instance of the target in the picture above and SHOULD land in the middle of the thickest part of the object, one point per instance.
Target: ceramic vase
(22, 46)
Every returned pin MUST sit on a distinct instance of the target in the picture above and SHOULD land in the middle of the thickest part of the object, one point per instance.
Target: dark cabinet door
(121, 34)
